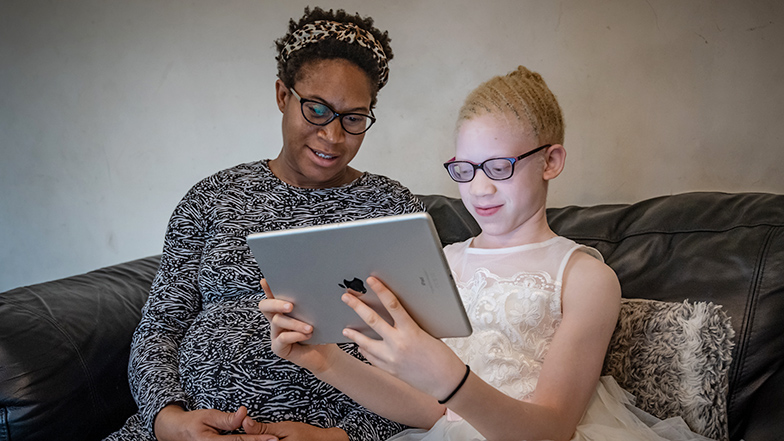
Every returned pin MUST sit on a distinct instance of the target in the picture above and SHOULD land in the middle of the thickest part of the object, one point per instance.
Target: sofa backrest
(64, 345)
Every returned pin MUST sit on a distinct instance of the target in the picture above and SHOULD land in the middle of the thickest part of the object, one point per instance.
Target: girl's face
(318, 156)
(511, 212)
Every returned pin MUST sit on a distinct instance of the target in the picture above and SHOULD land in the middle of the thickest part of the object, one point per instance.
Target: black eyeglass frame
(482, 165)
(302, 101)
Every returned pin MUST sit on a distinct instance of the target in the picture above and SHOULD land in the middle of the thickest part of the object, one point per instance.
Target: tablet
(312, 267)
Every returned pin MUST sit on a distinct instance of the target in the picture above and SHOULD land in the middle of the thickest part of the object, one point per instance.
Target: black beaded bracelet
(462, 382)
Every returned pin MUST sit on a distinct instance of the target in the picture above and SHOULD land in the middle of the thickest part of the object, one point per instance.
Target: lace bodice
(514, 310)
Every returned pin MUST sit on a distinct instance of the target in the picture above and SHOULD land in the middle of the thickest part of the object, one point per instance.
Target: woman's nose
(333, 132)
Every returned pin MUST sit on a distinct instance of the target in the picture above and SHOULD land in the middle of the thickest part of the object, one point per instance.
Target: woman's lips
(324, 156)
(487, 211)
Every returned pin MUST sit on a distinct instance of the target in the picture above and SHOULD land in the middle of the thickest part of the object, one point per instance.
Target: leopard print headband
(348, 32)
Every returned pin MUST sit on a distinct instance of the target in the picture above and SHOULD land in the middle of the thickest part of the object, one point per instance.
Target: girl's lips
(487, 211)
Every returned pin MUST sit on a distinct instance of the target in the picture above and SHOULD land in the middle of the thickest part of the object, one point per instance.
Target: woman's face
(318, 156)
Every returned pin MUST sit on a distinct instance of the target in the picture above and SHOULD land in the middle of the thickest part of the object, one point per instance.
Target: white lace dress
(515, 314)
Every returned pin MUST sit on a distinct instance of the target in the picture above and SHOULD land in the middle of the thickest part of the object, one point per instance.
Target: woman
(201, 364)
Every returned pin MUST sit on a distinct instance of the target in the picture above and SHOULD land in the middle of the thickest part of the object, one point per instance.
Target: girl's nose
(481, 185)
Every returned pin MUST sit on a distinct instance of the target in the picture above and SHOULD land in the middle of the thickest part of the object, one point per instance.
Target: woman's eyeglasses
(497, 169)
(320, 114)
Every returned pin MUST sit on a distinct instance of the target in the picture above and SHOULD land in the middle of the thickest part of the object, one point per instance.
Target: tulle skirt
(610, 416)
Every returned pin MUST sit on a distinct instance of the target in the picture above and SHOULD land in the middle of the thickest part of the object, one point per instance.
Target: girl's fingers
(367, 345)
(391, 303)
(284, 340)
(367, 314)
(266, 288)
(286, 324)
(357, 337)
(288, 338)
(272, 307)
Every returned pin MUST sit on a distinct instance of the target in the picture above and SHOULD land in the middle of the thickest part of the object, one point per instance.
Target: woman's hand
(173, 423)
(294, 431)
(287, 334)
(405, 350)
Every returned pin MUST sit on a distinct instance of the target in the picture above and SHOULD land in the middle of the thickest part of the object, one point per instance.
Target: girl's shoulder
(589, 279)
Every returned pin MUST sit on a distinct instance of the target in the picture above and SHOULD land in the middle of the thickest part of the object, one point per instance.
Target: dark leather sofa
(64, 344)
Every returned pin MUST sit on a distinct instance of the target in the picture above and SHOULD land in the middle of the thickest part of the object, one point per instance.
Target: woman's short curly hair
(290, 68)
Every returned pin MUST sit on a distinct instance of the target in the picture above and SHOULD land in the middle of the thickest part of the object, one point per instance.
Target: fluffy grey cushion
(674, 358)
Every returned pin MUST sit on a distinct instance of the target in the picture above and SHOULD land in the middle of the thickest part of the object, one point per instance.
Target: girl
(543, 308)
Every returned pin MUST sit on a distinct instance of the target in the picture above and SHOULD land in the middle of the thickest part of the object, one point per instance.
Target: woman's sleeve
(402, 199)
(173, 304)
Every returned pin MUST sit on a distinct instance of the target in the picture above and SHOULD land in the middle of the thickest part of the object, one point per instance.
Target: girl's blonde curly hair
(523, 94)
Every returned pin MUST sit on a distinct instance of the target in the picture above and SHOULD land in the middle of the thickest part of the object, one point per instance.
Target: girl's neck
(535, 230)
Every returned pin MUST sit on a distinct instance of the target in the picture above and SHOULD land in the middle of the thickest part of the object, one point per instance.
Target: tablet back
(313, 266)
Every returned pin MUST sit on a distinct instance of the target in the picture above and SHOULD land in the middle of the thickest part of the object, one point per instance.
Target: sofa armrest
(64, 348)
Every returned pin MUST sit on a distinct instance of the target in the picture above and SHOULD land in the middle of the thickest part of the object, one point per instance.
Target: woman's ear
(281, 93)
(555, 159)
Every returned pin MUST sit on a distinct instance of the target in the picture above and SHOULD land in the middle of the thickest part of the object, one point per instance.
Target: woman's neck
(295, 178)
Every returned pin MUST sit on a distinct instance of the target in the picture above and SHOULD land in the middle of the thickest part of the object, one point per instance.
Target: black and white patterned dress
(202, 341)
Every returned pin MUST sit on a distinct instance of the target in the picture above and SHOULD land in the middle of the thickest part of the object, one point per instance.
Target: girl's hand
(405, 350)
(287, 334)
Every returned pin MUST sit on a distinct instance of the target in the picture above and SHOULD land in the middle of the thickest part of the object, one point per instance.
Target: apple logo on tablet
(354, 285)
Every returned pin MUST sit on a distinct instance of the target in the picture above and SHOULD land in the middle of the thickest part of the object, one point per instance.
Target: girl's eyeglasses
(497, 169)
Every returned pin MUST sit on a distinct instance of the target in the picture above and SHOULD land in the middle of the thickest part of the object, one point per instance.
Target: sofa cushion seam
(748, 315)
(620, 239)
(67, 337)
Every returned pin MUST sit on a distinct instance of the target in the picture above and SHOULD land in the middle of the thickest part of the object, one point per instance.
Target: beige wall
(111, 110)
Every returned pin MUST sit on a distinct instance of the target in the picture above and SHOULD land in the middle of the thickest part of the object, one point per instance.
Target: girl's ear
(555, 159)
(281, 93)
